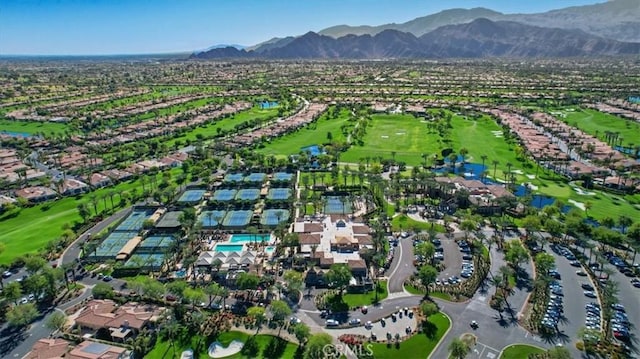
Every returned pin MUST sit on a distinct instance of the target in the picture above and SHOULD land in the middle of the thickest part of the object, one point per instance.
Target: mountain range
(607, 29)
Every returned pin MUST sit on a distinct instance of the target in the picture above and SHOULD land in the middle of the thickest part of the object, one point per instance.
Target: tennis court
(237, 218)
(210, 219)
(337, 205)
(224, 195)
(255, 177)
(191, 196)
(234, 177)
(155, 244)
(279, 194)
(146, 261)
(135, 220)
(271, 217)
(112, 245)
(282, 176)
(248, 194)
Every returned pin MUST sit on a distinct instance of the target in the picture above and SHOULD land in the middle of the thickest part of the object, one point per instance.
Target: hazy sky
(153, 26)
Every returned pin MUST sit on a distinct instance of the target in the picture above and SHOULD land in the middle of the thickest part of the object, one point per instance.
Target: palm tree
(495, 168)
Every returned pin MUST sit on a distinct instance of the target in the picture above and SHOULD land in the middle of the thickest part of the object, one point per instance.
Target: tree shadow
(554, 337)
(429, 329)
(11, 338)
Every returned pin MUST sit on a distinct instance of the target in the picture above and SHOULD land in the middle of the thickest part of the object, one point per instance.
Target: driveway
(401, 265)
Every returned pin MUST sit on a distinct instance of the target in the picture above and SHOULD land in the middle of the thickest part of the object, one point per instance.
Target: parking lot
(574, 314)
(452, 259)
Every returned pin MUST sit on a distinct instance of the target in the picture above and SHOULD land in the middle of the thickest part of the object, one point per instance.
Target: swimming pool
(226, 247)
(270, 249)
(248, 238)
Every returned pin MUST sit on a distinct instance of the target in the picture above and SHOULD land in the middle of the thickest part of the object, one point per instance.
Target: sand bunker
(216, 350)
(384, 136)
(577, 204)
(583, 193)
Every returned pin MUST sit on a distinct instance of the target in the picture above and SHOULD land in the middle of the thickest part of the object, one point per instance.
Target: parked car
(586, 286)
(354, 321)
(589, 293)
(6, 274)
(332, 323)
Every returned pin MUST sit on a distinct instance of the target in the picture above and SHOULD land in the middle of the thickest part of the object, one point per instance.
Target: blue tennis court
(135, 220)
(234, 177)
(224, 195)
(112, 245)
(155, 244)
(210, 219)
(337, 205)
(282, 176)
(248, 194)
(192, 196)
(255, 177)
(237, 218)
(147, 261)
(279, 194)
(271, 217)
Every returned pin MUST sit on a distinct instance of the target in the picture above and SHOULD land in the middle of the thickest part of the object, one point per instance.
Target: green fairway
(403, 134)
(225, 124)
(410, 138)
(597, 123)
(519, 351)
(32, 127)
(163, 349)
(419, 345)
(314, 134)
(33, 227)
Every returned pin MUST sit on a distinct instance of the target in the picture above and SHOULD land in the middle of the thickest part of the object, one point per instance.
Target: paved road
(401, 266)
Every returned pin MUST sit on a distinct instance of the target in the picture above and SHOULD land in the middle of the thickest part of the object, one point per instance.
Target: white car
(332, 323)
(368, 325)
(354, 322)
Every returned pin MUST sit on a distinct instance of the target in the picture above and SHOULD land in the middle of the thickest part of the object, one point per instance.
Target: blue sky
(70, 27)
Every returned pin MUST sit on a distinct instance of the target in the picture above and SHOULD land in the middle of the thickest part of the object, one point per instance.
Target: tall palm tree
(495, 168)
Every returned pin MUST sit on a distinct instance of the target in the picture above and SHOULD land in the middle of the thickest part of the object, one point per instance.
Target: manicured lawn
(314, 134)
(163, 349)
(418, 346)
(225, 124)
(413, 290)
(519, 351)
(597, 123)
(32, 127)
(31, 228)
(403, 222)
(441, 295)
(358, 300)
(403, 134)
